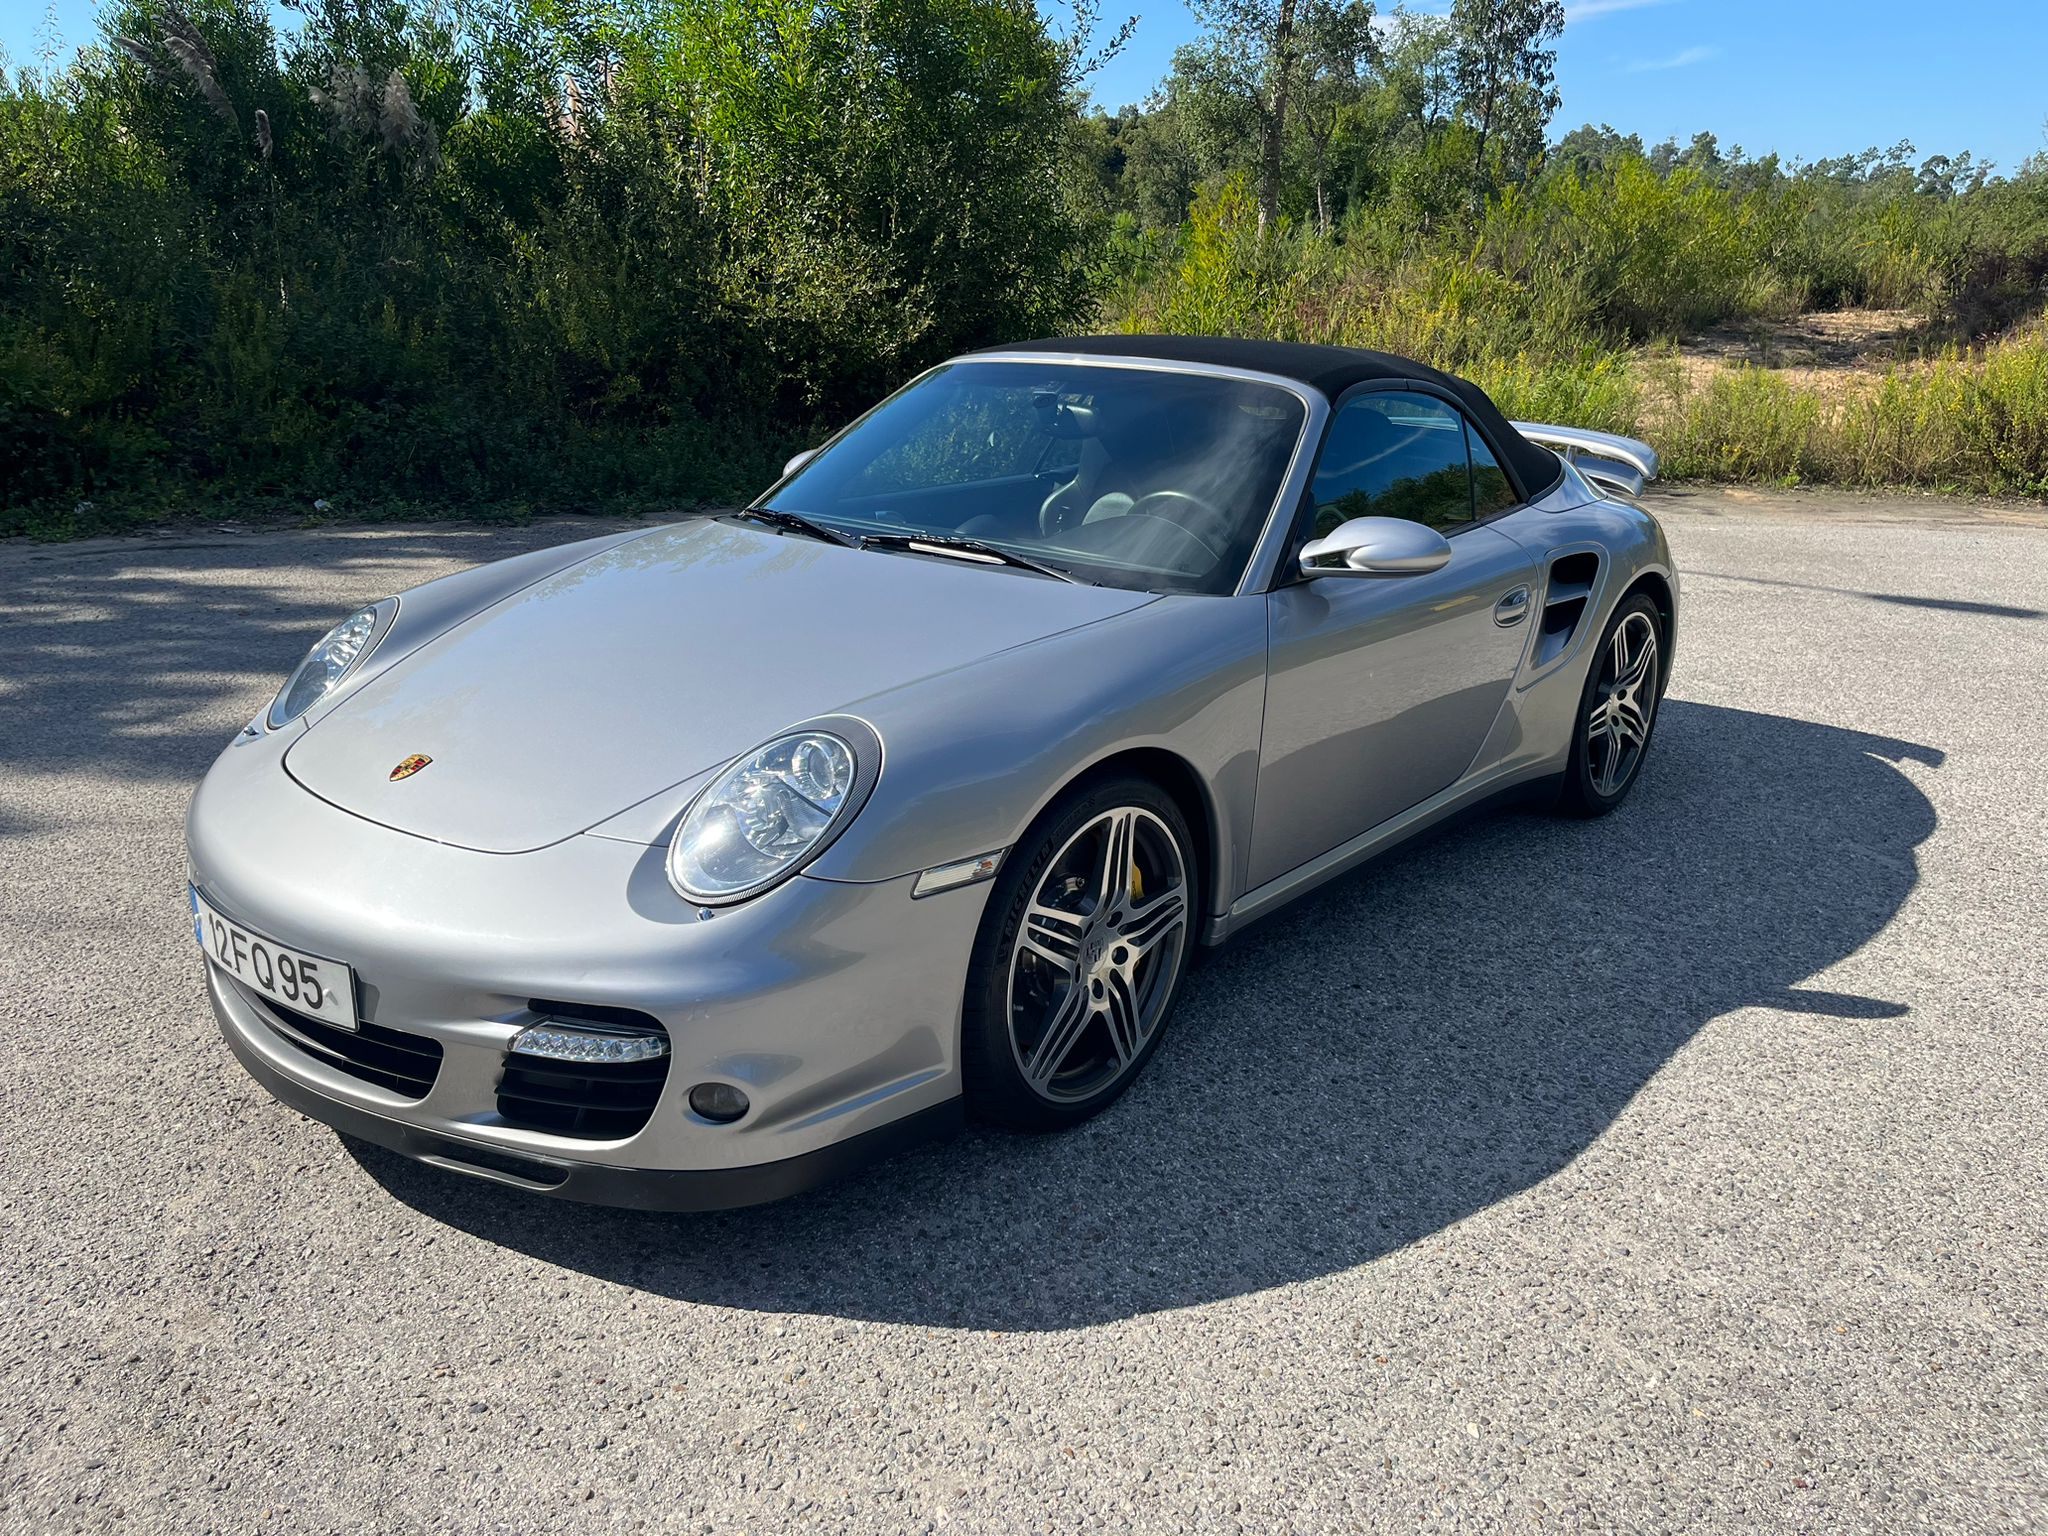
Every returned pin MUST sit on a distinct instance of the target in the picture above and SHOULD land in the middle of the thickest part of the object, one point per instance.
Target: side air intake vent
(1565, 596)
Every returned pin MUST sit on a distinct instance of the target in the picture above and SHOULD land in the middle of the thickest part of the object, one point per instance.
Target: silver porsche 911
(688, 867)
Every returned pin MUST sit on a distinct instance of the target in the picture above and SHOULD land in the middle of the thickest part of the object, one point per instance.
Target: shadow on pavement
(116, 658)
(1406, 1047)
(1896, 599)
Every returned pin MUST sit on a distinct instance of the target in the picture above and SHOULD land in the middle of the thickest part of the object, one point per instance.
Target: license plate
(308, 984)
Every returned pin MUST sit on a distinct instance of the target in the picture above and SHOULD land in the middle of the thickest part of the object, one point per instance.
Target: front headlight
(334, 656)
(772, 811)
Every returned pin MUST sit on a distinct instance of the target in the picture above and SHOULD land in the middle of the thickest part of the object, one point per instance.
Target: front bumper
(834, 1005)
(647, 1189)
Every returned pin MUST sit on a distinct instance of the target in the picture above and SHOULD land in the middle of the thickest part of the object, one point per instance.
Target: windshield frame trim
(1276, 529)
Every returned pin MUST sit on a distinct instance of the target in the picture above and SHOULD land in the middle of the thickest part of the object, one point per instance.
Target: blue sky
(1806, 78)
(1802, 77)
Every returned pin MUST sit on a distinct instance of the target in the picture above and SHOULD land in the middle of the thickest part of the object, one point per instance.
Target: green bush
(539, 258)
(513, 253)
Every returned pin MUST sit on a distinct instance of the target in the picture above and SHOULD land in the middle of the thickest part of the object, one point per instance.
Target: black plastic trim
(402, 1063)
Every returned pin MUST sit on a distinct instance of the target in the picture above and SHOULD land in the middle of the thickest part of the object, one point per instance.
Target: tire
(1053, 1034)
(1610, 739)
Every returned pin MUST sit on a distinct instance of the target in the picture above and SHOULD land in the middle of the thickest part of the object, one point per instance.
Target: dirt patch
(1697, 500)
(1820, 342)
(1827, 352)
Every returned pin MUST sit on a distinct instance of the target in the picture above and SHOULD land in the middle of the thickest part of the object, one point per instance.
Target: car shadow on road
(1408, 1046)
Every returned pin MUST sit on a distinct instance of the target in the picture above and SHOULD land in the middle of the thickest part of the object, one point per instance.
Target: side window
(1491, 491)
(1393, 454)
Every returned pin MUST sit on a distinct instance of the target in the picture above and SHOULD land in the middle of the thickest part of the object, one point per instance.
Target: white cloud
(1679, 60)
(1586, 10)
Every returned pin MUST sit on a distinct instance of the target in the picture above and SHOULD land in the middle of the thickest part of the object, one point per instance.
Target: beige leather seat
(1116, 469)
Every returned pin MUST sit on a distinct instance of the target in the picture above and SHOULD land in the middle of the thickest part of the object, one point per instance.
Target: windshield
(1130, 477)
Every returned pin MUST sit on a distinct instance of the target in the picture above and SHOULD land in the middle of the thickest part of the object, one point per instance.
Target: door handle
(1512, 608)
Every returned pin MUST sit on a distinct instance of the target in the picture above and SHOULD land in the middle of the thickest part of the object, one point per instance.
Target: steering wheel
(1180, 508)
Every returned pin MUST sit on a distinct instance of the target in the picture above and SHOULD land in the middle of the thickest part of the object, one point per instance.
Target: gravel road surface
(1683, 1171)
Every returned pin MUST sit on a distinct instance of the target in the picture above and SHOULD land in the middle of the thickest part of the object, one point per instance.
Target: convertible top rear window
(1132, 477)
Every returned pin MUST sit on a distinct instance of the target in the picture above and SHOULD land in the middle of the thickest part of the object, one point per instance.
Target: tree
(1336, 51)
(1588, 151)
(1503, 66)
(1162, 166)
(888, 176)
(1418, 64)
(1243, 79)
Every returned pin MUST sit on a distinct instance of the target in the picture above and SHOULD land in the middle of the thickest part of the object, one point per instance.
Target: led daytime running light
(554, 1040)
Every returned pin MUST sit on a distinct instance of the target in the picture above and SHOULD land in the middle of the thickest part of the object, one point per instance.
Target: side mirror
(1377, 546)
(798, 462)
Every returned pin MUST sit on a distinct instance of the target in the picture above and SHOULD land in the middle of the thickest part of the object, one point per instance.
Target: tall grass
(1973, 421)
(1547, 302)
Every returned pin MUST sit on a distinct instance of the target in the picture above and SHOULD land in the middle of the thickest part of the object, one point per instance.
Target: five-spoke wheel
(1617, 710)
(1086, 939)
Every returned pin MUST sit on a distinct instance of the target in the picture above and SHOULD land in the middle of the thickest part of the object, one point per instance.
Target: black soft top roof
(1329, 370)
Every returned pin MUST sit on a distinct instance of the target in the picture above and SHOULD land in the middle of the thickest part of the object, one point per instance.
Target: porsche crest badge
(410, 766)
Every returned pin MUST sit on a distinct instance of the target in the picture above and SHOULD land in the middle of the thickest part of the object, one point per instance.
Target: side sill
(1278, 892)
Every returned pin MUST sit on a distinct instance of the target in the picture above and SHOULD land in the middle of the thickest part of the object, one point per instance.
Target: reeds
(182, 41)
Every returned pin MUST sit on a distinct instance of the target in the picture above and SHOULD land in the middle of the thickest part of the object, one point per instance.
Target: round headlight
(764, 816)
(330, 660)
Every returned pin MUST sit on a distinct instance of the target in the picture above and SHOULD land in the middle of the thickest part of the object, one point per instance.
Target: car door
(1381, 690)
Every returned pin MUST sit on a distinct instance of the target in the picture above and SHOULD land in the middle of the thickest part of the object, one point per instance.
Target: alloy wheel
(1095, 958)
(1624, 703)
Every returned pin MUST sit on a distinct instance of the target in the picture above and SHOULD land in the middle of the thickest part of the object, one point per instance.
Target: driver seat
(1115, 471)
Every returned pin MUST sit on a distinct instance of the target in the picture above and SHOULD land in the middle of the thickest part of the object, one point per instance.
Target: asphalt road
(1681, 1172)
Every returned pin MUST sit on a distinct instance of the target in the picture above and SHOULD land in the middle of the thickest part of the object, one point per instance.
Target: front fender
(973, 756)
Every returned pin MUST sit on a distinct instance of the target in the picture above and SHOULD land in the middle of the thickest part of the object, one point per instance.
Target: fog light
(718, 1101)
(555, 1040)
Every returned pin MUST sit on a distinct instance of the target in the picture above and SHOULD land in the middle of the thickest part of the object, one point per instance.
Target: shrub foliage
(562, 253)
(522, 251)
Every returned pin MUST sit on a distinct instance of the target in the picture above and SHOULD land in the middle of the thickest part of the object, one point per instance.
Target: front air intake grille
(388, 1058)
(590, 1100)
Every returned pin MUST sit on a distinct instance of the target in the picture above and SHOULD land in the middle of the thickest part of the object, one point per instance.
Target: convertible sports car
(687, 867)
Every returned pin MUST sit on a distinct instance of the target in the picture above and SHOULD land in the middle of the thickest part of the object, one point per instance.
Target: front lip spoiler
(644, 1189)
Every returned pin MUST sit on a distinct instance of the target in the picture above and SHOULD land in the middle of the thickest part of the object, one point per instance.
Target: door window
(1394, 454)
(1491, 491)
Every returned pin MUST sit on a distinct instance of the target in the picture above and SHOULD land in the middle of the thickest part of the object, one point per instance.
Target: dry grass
(1962, 419)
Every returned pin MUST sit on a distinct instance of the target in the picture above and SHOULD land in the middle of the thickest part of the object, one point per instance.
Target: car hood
(650, 662)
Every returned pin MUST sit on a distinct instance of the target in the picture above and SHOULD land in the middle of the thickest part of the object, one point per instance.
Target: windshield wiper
(956, 546)
(796, 522)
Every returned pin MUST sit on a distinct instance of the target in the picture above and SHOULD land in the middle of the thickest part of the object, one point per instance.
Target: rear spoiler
(1621, 462)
